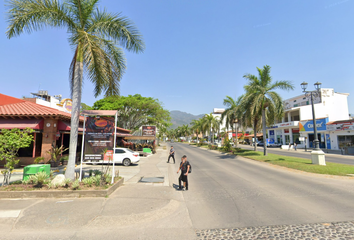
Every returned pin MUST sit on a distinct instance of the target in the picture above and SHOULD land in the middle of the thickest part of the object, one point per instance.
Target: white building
(297, 122)
(56, 101)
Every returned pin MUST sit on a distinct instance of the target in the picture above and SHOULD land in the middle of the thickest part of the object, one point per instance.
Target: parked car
(125, 156)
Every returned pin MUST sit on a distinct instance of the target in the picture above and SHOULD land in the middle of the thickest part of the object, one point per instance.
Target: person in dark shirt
(172, 154)
(184, 168)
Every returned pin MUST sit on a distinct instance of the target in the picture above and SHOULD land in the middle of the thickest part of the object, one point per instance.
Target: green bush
(213, 147)
(75, 185)
(88, 181)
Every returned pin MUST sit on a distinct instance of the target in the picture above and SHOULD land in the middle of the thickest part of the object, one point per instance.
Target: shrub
(97, 172)
(67, 182)
(97, 180)
(227, 145)
(51, 185)
(75, 185)
(88, 181)
(40, 178)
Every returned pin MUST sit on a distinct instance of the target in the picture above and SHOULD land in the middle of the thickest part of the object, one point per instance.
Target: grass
(298, 163)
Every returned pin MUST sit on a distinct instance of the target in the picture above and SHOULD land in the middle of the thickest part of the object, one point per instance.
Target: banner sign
(307, 126)
(341, 127)
(149, 131)
(271, 132)
(99, 137)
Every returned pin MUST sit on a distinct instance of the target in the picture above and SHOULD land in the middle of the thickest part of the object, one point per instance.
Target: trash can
(35, 168)
(146, 150)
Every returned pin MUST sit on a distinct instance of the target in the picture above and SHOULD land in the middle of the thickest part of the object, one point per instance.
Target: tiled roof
(14, 107)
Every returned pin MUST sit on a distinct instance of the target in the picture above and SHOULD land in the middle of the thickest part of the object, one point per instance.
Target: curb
(62, 194)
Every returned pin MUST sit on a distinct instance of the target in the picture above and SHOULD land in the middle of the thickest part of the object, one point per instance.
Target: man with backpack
(185, 168)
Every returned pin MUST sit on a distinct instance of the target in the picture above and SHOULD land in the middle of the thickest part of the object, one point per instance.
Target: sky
(197, 51)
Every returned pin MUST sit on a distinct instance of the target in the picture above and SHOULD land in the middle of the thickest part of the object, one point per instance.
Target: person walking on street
(184, 168)
(172, 154)
(295, 145)
(289, 146)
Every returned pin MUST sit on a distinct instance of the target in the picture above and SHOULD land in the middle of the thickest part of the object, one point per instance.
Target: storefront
(307, 132)
(340, 135)
(284, 133)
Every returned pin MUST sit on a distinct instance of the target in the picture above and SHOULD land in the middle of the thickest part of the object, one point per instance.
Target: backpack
(190, 167)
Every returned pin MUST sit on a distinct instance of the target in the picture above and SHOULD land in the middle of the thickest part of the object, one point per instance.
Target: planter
(53, 164)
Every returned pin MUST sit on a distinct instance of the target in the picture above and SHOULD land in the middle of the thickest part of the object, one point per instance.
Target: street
(225, 192)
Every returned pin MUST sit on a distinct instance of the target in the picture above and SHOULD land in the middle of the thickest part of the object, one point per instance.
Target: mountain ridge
(179, 118)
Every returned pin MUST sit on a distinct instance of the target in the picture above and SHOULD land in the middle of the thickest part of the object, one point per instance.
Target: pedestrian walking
(172, 154)
(289, 146)
(184, 168)
(295, 145)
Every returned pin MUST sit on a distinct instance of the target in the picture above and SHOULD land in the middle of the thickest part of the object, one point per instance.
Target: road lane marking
(9, 213)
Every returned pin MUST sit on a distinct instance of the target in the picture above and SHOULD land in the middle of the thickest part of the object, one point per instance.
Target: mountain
(179, 118)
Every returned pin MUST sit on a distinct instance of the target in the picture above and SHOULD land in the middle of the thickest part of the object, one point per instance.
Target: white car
(125, 156)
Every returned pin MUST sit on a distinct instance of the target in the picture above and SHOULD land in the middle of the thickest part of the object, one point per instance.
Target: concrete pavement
(135, 211)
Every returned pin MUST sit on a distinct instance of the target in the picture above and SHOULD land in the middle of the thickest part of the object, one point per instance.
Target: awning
(65, 126)
(21, 123)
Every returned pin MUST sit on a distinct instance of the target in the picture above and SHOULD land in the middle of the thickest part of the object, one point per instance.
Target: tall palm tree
(94, 34)
(196, 127)
(233, 113)
(262, 98)
(209, 123)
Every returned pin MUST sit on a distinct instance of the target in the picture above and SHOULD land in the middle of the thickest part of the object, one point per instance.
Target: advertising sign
(99, 137)
(149, 130)
(66, 104)
(307, 126)
(271, 132)
(341, 127)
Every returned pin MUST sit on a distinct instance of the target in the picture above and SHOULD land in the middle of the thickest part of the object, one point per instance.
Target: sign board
(301, 139)
(66, 104)
(341, 127)
(99, 136)
(307, 126)
(149, 130)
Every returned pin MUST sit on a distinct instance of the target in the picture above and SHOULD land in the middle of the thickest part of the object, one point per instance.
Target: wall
(49, 136)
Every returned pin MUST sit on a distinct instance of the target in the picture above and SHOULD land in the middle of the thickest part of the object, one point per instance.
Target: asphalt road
(227, 191)
(335, 158)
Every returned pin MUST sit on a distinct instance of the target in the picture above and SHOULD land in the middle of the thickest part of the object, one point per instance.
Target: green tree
(209, 124)
(197, 127)
(231, 113)
(94, 35)
(10, 143)
(135, 111)
(85, 107)
(263, 100)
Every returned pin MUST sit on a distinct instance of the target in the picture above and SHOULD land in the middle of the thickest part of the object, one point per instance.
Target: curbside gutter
(62, 194)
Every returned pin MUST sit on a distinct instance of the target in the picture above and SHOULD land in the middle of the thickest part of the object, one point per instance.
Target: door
(119, 155)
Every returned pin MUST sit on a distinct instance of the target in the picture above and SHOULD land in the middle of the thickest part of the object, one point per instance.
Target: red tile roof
(14, 107)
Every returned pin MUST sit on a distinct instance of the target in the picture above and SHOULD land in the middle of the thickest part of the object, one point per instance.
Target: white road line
(9, 213)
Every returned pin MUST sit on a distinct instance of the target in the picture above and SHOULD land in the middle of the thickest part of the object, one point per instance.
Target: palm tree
(263, 100)
(94, 35)
(196, 127)
(209, 124)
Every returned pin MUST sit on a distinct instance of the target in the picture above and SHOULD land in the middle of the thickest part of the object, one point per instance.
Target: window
(296, 105)
(120, 151)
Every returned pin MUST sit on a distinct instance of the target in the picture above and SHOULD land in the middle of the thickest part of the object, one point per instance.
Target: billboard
(149, 131)
(307, 126)
(99, 136)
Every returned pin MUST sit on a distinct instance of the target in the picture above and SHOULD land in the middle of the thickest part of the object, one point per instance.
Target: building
(51, 127)
(297, 124)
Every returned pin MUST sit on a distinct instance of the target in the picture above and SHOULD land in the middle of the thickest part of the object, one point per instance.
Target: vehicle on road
(125, 156)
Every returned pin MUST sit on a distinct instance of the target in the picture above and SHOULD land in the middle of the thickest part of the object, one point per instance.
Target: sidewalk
(136, 210)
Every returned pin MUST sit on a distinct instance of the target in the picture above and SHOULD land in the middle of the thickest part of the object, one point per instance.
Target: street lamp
(317, 154)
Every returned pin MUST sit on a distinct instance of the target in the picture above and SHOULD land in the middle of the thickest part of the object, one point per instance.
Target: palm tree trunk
(75, 114)
(236, 135)
(255, 134)
(264, 132)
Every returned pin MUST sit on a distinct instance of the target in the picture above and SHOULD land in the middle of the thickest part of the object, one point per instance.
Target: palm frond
(34, 15)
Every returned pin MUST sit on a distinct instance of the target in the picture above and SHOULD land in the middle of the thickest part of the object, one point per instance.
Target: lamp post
(317, 154)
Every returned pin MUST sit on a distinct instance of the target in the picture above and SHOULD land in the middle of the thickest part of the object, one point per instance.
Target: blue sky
(197, 51)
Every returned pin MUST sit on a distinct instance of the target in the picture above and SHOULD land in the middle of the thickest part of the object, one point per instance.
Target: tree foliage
(10, 143)
(135, 111)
